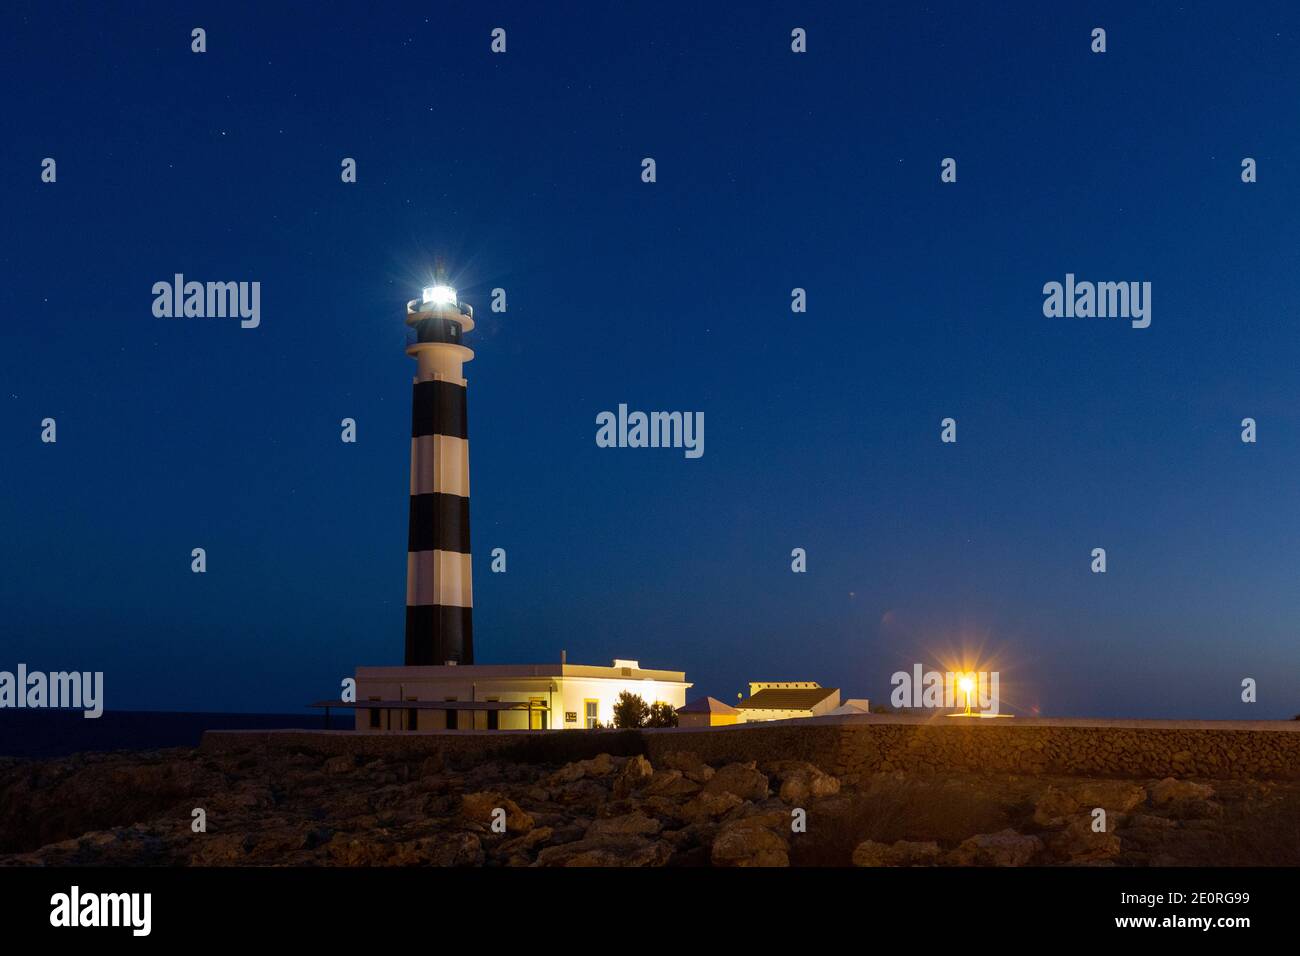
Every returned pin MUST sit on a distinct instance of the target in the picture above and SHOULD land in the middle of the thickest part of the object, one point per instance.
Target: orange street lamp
(967, 685)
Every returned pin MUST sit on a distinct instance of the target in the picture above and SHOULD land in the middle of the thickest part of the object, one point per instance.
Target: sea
(38, 734)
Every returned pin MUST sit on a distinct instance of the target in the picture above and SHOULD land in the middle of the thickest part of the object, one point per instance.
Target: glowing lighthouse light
(440, 295)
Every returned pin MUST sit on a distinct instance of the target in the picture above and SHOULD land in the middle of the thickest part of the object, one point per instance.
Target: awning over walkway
(432, 704)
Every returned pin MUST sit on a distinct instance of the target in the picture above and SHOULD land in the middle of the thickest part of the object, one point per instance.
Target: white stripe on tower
(440, 463)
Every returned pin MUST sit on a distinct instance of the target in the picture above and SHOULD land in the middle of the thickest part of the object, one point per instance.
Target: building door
(537, 713)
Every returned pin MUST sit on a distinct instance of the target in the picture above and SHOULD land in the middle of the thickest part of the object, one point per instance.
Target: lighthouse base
(439, 634)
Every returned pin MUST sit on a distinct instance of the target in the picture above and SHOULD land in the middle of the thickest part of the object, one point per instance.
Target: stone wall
(852, 746)
(458, 747)
(1162, 749)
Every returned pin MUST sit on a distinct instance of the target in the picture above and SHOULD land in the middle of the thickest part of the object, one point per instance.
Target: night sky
(775, 170)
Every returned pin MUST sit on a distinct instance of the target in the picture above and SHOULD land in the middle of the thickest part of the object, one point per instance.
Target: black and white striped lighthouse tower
(439, 597)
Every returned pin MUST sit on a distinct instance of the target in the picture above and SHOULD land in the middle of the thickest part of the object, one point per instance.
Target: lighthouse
(439, 597)
(440, 687)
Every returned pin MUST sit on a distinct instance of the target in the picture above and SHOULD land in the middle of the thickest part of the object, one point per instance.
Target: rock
(218, 849)
(348, 849)
(340, 764)
(900, 853)
(1115, 796)
(692, 835)
(584, 794)
(689, 763)
(665, 808)
(1004, 848)
(708, 806)
(598, 766)
(801, 781)
(690, 856)
(432, 765)
(456, 849)
(1168, 790)
(618, 808)
(606, 851)
(836, 806)
(528, 841)
(671, 783)
(637, 824)
(1053, 807)
(741, 779)
(436, 805)
(1192, 808)
(570, 833)
(634, 775)
(318, 836)
(245, 796)
(1078, 843)
(748, 843)
(480, 808)
(1148, 821)
(765, 815)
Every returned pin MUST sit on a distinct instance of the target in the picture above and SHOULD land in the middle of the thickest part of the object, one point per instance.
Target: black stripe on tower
(438, 408)
(436, 634)
(439, 522)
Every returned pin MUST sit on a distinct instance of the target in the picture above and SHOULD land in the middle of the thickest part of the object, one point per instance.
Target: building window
(493, 716)
(592, 708)
(374, 718)
(453, 717)
(412, 717)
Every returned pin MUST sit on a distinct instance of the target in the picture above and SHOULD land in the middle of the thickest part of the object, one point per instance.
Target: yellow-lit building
(783, 700)
(506, 696)
(707, 712)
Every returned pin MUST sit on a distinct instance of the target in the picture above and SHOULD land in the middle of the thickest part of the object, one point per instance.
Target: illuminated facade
(506, 696)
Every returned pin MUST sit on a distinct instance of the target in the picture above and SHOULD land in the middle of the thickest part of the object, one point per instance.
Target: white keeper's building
(558, 696)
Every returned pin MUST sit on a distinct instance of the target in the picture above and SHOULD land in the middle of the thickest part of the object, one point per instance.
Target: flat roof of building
(427, 704)
(508, 671)
(802, 698)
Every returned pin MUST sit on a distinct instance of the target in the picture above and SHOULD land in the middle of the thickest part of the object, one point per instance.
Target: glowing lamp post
(967, 687)
(970, 682)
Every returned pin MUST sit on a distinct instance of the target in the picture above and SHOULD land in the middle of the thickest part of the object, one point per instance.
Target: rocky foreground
(301, 809)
